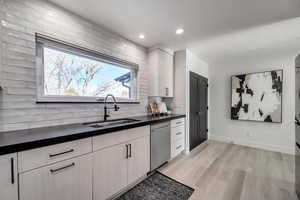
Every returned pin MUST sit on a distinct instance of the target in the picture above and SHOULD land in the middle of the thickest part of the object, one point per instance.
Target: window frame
(46, 41)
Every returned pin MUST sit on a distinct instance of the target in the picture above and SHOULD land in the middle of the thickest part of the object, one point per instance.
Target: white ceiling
(214, 29)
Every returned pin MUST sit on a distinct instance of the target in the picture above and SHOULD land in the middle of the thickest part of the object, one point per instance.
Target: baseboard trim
(270, 147)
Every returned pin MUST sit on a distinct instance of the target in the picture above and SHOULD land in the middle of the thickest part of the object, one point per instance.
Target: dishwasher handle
(162, 127)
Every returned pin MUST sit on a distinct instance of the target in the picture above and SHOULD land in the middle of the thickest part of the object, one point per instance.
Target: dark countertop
(16, 141)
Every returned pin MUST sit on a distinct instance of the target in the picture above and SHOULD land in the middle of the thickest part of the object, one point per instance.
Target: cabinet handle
(127, 155)
(129, 150)
(298, 145)
(61, 168)
(179, 133)
(179, 147)
(167, 91)
(58, 154)
(12, 170)
(178, 122)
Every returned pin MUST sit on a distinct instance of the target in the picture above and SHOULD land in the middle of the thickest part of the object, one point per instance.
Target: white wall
(186, 61)
(196, 65)
(270, 136)
(19, 21)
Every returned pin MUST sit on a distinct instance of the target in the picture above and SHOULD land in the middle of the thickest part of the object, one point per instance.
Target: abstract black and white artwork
(257, 96)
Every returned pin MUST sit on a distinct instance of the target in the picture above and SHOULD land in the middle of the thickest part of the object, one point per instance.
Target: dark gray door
(297, 121)
(198, 109)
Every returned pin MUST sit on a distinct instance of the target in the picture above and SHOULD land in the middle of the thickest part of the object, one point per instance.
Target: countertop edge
(23, 146)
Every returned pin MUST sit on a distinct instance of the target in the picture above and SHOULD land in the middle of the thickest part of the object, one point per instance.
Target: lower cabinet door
(66, 180)
(8, 177)
(139, 159)
(110, 171)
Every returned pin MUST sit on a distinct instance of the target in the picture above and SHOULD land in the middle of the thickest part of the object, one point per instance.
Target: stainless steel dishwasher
(160, 144)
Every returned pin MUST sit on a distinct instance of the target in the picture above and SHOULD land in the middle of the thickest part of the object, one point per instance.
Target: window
(75, 74)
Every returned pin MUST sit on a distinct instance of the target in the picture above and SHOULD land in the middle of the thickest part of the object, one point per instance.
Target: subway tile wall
(20, 20)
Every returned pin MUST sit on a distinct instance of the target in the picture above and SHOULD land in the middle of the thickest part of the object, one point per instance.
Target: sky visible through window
(67, 74)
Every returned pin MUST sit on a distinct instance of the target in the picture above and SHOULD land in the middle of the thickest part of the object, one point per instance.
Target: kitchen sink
(110, 123)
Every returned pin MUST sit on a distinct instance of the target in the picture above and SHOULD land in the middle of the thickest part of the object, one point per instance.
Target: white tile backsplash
(20, 20)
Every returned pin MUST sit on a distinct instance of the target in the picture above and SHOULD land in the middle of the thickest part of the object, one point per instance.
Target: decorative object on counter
(160, 187)
(162, 108)
(257, 96)
(169, 109)
(154, 109)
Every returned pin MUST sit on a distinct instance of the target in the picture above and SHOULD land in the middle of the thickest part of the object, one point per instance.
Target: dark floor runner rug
(158, 187)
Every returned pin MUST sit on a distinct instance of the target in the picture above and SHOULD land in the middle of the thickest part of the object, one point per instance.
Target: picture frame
(257, 96)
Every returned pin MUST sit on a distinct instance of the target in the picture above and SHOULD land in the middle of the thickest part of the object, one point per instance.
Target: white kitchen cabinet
(39, 157)
(66, 180)
(8, 177)
(177, 146)
(108, 140)
(110, 171)
(161, 79)
(177, 137)
(177, 122)
(139, 160)
(120, 165)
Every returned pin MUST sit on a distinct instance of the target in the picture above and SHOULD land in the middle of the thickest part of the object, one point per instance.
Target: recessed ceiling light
(142, 36)
(179, 31)
(3, 23)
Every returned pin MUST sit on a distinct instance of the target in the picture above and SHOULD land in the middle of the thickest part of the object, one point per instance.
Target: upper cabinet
(161, 68)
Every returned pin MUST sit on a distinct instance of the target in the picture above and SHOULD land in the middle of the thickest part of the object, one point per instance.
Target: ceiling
(214, 29)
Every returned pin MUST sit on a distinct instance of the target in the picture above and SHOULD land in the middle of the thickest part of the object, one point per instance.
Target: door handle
(127, 155)
(61, 168)
(179, 133)
(12, 165)
(167, 91)
(129, 150)
(298, 145)
(58, 154)
(297, 122)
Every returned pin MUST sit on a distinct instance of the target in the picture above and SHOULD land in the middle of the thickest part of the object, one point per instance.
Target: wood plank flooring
(221, 171)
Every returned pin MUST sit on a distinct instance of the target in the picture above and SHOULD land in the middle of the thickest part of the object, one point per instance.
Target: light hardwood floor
(221, 171)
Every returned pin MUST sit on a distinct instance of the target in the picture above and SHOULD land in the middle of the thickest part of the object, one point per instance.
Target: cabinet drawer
(66, 180)
(102, 141)
(35, 158)
(177, 147)
(177, 122)
(177, 133)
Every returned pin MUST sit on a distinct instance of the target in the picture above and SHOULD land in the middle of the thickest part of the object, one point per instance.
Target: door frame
(189, 73)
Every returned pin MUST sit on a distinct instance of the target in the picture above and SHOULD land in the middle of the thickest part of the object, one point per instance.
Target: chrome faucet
(115, 107)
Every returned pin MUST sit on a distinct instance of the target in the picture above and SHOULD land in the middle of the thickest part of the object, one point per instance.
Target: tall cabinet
(161, 65)
(8, 177)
